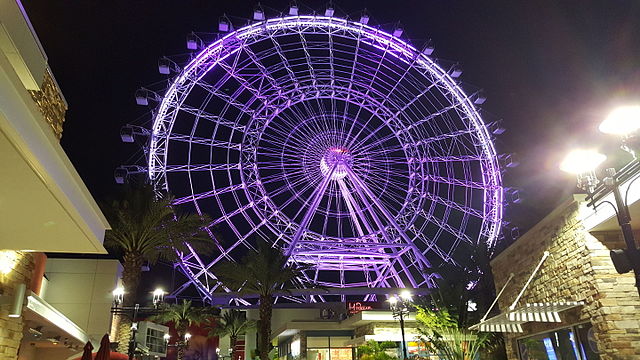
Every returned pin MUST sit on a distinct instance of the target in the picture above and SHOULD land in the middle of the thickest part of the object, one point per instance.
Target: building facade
(578, 269)
(326, 331)
(44, 205)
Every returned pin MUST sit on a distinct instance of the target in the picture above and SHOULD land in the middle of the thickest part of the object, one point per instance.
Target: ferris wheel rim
(491, 176)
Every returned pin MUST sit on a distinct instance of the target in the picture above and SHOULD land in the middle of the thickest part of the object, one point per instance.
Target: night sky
(551, 69)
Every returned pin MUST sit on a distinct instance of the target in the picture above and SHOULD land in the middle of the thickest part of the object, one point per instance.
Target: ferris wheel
(344, 145)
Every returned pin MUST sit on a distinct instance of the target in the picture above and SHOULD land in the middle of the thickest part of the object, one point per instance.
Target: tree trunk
(264, 327)
(182, 347)
(131, 272)
(131, 267)
(232, 344)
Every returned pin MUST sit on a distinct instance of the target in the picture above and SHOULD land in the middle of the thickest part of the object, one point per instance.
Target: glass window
(155, 341)
(588, 345)
(563, 344)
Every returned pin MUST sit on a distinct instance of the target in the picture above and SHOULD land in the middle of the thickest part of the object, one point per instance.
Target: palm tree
(182, 316)
(146, 228)
(262, 273)
(232, 323)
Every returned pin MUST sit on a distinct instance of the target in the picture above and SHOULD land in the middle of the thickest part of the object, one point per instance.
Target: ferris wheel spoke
(201, 114)
(263, 71)
(317, 196)
(285, 62)
(361, 186)
(230, 100)
(207, 194)
(202, 141)
(452, 180)
(460, 158)
(201, 167)
(232, 69)
(305, 48)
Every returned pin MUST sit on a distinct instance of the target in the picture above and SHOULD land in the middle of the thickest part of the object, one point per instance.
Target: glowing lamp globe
(624, 120)
(405, 295)
(582, 161)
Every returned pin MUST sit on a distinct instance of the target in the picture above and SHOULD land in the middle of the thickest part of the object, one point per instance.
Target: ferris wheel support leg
(383, 275)
(360, 184)
(317, 196)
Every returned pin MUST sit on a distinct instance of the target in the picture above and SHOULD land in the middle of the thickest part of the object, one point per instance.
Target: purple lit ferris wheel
(346, 146)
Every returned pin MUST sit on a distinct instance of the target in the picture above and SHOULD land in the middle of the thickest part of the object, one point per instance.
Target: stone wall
(15, 268)
(578, 269)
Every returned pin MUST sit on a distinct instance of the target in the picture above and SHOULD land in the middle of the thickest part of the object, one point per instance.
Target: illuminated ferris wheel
(343, 144)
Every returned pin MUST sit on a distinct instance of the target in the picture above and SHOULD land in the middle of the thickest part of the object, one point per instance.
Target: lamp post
(624, 122)
(132, 312)
(400, 306)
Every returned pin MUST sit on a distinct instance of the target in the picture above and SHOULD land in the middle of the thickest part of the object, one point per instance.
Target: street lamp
(624, 122)
(400, 306)
(132, 312)
(158, 296)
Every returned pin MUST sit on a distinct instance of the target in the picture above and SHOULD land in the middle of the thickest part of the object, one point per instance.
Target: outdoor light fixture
(583, 164)
(158, 296)
(8, 259)
(15, 301)
(118, 295)
(167, 337)
(400, 307)
(132, 313)
(623, 121)
(187, 336)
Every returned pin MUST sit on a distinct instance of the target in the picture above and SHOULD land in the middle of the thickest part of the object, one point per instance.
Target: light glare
(622, 121)
(405, 295)
(119, 291)
(582, 161)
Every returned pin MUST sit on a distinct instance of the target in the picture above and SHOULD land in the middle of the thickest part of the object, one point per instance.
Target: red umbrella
(112, 356)
(104, 353)
(86, 355)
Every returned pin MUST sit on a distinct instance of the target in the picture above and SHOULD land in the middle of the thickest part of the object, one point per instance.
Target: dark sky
(550, 68)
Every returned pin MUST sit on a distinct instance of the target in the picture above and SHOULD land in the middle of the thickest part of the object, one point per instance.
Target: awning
(512, 320)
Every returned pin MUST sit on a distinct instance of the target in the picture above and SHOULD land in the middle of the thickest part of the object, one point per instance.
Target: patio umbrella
(86, 355)
(104, 353)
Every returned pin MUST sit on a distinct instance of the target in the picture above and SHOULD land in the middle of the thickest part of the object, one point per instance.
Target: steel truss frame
(419, 174)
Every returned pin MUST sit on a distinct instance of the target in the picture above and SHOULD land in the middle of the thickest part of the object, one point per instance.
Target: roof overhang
(44, 205)
(511, 321)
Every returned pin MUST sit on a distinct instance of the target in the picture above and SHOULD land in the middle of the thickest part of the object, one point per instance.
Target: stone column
(15, 268)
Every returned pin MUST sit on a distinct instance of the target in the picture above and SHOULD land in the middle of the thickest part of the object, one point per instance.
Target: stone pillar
(15, 268)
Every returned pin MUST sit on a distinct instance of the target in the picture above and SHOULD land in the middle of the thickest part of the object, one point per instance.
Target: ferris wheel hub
(337, 156)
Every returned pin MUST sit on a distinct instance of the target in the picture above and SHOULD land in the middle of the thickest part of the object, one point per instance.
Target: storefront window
(564, 344)
(329, 348)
